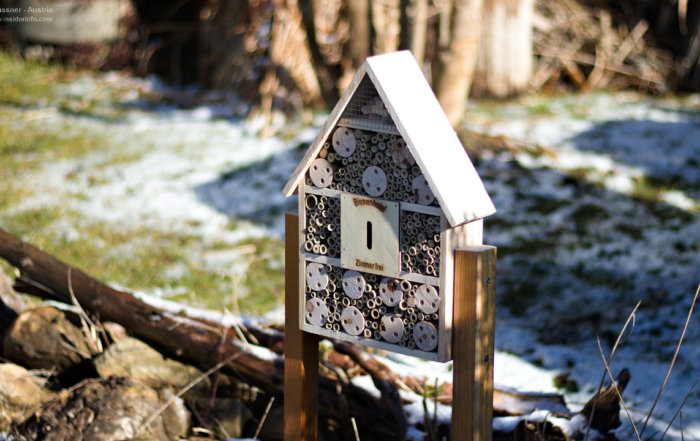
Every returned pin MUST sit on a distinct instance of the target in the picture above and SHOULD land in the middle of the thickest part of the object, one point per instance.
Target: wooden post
(300, 350)
(473, 327)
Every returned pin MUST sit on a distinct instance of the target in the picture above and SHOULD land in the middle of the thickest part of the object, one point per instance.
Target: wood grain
(473, 343)
(298, 175)
(300, 351)
(451, 239)
(430, 137)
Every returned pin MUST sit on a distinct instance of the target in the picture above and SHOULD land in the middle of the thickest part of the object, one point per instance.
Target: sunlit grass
(26, 82)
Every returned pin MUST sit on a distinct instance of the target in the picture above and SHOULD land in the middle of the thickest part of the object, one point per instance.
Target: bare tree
(458, 60)
(505, 51)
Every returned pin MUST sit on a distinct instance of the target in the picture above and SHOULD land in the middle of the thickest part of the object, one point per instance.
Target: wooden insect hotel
(387, 194)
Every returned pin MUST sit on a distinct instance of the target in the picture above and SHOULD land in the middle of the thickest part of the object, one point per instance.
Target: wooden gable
(409, 107)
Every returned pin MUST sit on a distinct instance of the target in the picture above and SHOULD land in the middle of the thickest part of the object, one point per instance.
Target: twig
(89, 328)
(614, 385)
(631, 317)
(189, 386)
(679, 409)
(215, 386)
(435, 411)
(426, 417)
(264, 417)
(673, 361)
(354, 429)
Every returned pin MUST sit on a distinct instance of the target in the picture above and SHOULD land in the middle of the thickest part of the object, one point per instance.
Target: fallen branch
(194, 341)
(206, 344)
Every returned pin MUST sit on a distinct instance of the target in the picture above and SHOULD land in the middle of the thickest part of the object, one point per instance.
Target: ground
(174, 194)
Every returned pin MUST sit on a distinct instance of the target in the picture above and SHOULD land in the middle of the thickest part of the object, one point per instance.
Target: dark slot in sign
(369, 235)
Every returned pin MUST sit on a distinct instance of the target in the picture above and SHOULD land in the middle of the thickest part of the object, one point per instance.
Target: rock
(102, 410)
(9, 296)
(136, 360)
(21, 392)
(11, 304)
(43, 338)
(115, 331)
(176, 417)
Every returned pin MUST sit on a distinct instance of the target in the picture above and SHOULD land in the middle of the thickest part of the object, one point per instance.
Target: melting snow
(577, 245)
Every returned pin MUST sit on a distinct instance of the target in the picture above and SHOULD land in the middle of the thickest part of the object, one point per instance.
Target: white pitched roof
(425, 128)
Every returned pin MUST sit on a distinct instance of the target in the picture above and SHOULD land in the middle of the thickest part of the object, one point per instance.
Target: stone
(21, 392)
(103, 410)
(136, 360)
(44, 338)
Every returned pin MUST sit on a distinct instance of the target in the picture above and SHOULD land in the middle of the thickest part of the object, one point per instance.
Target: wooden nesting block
(425, 335)
(390, 291)
(352, 320)
(353, 284)
(374, 181)
(391, 328)
(401, 155)
(344, 142)
(421, 191)
(316, 312)
(321, 173)
(316, 276)
(427, 299)
(369, 235)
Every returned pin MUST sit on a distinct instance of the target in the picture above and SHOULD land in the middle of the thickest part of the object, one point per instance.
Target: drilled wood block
(344, 142)
(321, 173)
(353, 284)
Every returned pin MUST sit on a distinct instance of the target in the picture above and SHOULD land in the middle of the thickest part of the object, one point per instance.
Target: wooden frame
(474, 325)
(474, 321)
(300, 351)
(470, 234)
(419, 119)
(387, 146)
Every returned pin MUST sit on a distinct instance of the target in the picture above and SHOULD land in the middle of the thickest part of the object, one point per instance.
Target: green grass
(138, 258)
(141, 259)
(27, 83)
(265, 277)
(27, 145)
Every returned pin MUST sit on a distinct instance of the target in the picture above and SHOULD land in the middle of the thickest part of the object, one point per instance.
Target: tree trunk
(386, 18)
(459, 60)
(419, 29)
(360, 44)
(326, 73)
(505, 52)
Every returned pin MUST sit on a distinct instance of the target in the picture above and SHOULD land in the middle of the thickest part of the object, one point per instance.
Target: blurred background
(147, 143)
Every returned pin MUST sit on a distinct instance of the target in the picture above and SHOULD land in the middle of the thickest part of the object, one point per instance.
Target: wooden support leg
(473, 335)
(300, 350)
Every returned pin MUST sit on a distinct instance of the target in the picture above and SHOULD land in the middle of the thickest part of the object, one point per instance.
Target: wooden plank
(300, 351)
(368, 124)
(451, 239)
(430, 137)
(298, 175)
(322, 191)
(369, 235)
(425, 209)
(446, 290)
(420, 278)
(379, 344)
(333, 261)
(474, 291)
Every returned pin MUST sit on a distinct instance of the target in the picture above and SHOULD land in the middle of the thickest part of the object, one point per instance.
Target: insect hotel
(387, 194)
